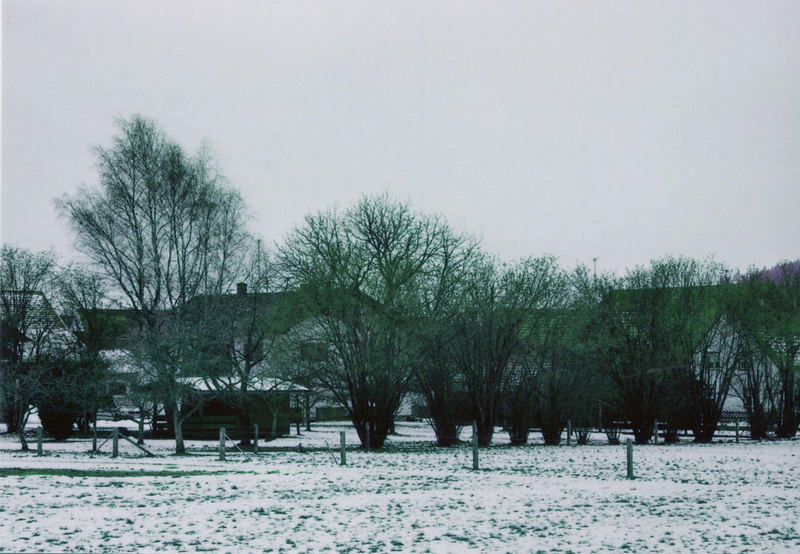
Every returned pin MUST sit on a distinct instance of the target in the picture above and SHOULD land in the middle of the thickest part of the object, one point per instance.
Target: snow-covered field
(411, 496)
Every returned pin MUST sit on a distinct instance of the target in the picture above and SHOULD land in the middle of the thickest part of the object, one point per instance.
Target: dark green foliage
(501, 308)
(362, 272)
(650, 326)
(57, 421)
(71, 385)
(777, 333)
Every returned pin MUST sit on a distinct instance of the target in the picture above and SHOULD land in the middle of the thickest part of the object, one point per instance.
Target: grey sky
(617, 130)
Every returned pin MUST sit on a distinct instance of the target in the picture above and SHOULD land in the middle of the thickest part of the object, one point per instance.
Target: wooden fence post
(39, 449)
(343, 444)
(655, 432)
(367, 445)
(255, 439)
(115, 443)
(94, 433)
(630, 458)
(569, 431)
(140, 434)
(475, 464)
(222, 444)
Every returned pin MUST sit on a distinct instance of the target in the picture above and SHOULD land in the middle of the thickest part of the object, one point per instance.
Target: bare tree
(755, 384)
(778, 337)
(651, 324)
(436, 375)
(500, 305)
(360, 271)
(84, 296)
(163, 229)
(30, 330)
(538, 386)
(713, 366)
(565, 384)
(250, 327)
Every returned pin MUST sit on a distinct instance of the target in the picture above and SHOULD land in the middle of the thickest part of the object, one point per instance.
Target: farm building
(271, 404)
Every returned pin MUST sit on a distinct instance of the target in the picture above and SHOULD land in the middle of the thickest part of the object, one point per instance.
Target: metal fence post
(343, 444)
(39, 449)
(115, 443)
(255, 438)
(222, 444)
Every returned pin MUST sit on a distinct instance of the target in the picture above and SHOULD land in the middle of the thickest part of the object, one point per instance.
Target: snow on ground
(411, 496)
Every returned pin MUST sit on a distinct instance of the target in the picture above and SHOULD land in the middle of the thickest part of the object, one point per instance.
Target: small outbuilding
(272, 404)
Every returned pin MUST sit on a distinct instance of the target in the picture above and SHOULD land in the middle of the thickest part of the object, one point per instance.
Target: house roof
(107, 328)
(263, 384)
(25, 309)
(276, 312)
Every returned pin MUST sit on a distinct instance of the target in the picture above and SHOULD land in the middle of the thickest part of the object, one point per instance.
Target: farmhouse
(233, 380)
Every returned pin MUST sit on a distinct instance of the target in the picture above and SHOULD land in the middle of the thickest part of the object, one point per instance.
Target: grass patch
(108, 473)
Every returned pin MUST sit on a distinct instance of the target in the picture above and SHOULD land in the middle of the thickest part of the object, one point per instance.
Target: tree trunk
(518, 430)
(787, 422)
(10, 416)
(446, 433)
(485, 430)
(20, 425)
(758, 421)
(169, 411)
(245, 425)
(307, 412)
(642, 431)
(551, 433)
(706, 420)
(154, 425)
(372, 434)
(177, 423)
(443, 420)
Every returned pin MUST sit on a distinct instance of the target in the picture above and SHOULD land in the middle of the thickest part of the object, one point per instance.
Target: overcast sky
(617, 130)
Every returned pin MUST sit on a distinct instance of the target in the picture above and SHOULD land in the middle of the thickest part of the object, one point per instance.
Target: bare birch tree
(163, 228)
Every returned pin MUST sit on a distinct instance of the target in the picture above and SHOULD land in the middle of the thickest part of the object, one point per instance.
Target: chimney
(241, 289)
